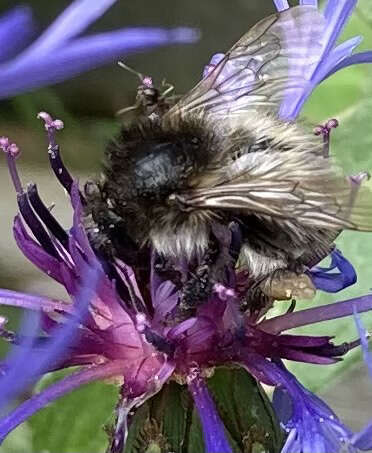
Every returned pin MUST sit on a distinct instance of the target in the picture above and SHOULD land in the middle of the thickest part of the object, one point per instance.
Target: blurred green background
(87, 105)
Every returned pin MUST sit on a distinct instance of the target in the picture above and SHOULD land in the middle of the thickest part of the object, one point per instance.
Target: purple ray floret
(61, 52)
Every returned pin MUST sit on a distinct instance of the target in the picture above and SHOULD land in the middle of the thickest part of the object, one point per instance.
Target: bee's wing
(273, 58)
(299, 186)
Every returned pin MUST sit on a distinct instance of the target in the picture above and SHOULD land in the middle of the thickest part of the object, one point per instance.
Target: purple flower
(61, 52)
(135, 339)
(131, 331)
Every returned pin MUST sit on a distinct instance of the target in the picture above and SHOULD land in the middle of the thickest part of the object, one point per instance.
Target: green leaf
(245, 410)
(168, 421)
(75, 422)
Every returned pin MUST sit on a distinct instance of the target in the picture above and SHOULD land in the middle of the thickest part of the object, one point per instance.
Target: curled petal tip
(49, 122)
(8, 147)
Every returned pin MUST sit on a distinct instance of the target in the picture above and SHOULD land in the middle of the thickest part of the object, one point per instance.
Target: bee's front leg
(196, 290)
(198, 286)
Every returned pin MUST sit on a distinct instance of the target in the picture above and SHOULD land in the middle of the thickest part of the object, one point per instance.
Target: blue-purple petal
(35, 253)
(282, 404)
(312, 425)
(216, 58)
(358, 58)
(336, 13)
(332, 282)
(55, 391)
(70, 23)
(364, 337)
(16, 29)
(281, 5)
(338, 55)
(363, 439)
(309, 3)
(330, 58)
(213, 430)
(30, 363)
(86, 53)
(17, 357)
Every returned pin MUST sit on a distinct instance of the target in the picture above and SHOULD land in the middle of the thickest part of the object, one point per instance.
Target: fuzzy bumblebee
(220, 158)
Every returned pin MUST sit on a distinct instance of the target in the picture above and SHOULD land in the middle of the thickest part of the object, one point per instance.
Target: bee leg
(198, 287)
(284, 284)
(106, 231)
(256, 300)
(196, 290)
(168, 88)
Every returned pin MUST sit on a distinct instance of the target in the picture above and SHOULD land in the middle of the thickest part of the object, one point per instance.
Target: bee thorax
(160, 169)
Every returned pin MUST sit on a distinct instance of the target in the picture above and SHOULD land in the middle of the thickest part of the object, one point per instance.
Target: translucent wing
(290, 185)
(273, 58)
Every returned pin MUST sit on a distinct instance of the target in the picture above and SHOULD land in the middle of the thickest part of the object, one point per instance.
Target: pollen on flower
(9, 148)
(49, 122)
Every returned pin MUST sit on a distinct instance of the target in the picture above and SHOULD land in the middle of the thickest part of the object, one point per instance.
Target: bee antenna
(131, 70)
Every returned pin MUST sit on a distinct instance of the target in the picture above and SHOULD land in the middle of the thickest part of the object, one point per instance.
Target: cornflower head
(60, 52)
(123, 322)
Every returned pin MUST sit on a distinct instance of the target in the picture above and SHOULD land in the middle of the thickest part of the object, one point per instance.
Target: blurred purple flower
(60, 52)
